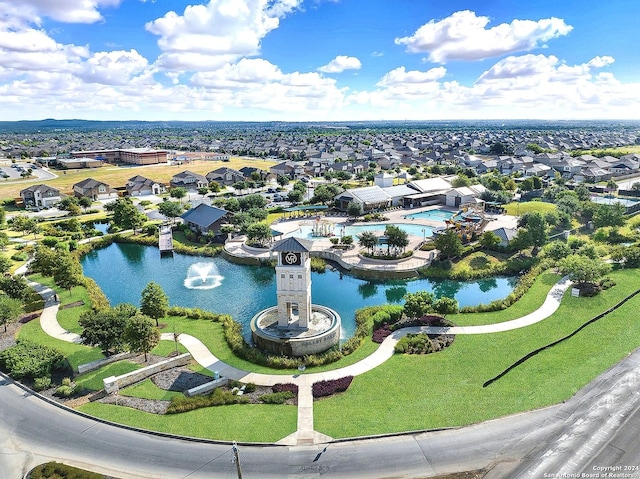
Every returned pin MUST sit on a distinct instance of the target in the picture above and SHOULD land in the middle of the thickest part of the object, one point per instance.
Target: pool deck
(351, 259)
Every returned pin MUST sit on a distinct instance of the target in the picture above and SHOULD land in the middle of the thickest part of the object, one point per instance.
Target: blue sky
(315, 60)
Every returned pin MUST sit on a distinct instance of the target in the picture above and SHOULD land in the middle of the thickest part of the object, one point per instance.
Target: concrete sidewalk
(305, 433)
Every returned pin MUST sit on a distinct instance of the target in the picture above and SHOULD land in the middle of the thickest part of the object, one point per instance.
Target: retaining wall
(113, 383)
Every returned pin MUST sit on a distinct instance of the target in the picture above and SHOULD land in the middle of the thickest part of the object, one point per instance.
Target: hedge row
(218, 397)
(330, 387)
(30, 360)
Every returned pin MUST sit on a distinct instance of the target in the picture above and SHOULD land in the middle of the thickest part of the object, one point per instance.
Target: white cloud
(216, 33)
(113, 68)
(85, 11)
(401, 76)
(340, 64)
(464, 36)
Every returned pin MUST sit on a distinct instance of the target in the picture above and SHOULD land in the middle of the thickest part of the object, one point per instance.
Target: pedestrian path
(305, 433)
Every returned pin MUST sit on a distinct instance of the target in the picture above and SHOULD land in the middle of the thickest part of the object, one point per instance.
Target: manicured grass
(147, 390)
(76, 354)
(93, 379)
(246, 422)
(445, 389)
(520, 208)
(67, 316)
(532, 300)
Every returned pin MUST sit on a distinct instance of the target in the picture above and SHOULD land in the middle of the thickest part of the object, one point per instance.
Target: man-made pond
(214, 284)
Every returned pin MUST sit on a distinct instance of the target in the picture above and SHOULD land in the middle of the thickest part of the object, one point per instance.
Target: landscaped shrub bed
(414, 344)
(277, 398)
(330, 387)
(218, 397)
(55, 470)
(381, 334)
(30, 360)
(281, 387)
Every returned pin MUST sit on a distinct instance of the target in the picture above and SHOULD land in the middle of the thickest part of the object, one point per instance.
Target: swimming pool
(435, 215)
(608, 200)
(421, 231)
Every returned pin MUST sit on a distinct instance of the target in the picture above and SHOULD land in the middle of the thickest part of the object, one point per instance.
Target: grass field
(445, 389)
(520, 208)
(117, 176)
(407, 392)
(244, 422)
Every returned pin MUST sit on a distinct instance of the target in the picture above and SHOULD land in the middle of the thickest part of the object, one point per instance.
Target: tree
(10, 310)
(582, 269)
(556, 250)
(68, 271)
(295, 196)
(24, 224)
(354, 209)
(489, 240)
(527, 184)
(178, 192)
(203, 190)
(396, 237)
(154, 302)
(449, 244)
(445, 306)
(612, 186)
(609, 215)
(126, 215)
(461, 180)
(368, 239)
(15, 286)
(44, 261)
(635, 186)
(104, 329)
(282, 180)
(215, 187)
(259, 232)
(417, 304)
(5, 264)
(85, 202)
(536, 230)
(170, 209)
(252, 201)
(324, 194)
(141, 335)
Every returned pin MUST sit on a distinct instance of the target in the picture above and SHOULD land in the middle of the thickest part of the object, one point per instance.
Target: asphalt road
(33, 431)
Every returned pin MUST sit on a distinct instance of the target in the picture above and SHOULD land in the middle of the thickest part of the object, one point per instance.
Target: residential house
(140, 186)
(225, 176)
(506, 235)
(204, 218)
(189, 180)
(40, 196)
(94, 189)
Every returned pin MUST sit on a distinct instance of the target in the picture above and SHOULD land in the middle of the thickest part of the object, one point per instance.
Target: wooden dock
(165, 241)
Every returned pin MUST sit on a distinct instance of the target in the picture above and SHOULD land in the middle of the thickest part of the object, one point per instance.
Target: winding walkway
(305, 433)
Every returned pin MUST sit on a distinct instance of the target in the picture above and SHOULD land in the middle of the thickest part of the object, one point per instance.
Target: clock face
(291, 258)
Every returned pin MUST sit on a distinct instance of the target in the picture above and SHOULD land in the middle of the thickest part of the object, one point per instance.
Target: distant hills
(50, 124)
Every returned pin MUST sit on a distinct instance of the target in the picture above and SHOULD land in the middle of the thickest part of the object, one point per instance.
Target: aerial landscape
(319, 238)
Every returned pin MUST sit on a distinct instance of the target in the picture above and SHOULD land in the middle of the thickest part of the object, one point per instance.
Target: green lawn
(93, 379)
(76, 354)
(445, 389)
(246, 422)
(147, 390)
(520, 208)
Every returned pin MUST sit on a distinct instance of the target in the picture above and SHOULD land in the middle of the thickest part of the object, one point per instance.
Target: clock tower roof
(295, 245)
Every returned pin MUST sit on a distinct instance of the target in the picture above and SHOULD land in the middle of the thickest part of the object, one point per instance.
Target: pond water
(306, 230)
(214, 284)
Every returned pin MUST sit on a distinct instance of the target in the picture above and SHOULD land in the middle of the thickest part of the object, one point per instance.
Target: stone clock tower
(293, 283)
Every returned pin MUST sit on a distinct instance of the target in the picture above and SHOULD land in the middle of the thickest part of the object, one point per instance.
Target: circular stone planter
(323, 332)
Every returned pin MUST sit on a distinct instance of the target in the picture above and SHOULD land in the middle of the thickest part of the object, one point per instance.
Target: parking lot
(14, 171)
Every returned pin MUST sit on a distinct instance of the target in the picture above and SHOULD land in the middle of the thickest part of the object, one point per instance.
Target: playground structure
(469, 222)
